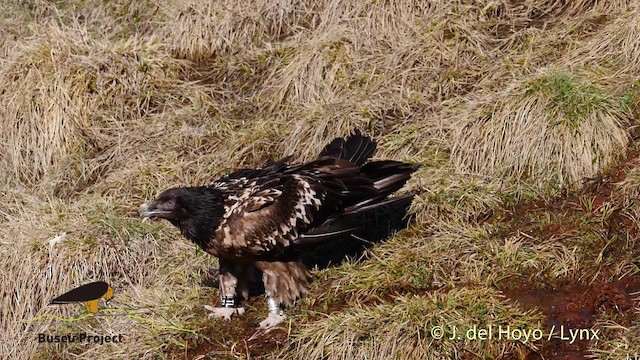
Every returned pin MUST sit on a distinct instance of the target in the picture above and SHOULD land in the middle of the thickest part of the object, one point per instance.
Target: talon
(272, 321)
(223, 312)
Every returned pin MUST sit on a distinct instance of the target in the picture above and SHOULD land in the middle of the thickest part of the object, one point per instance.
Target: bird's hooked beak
(108, 295)
(144, 211)
(149, 210)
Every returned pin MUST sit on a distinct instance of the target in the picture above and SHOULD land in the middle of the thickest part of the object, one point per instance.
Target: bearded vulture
(271, 217)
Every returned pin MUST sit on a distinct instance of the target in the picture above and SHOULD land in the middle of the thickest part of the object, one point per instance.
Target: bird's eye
(170, 204)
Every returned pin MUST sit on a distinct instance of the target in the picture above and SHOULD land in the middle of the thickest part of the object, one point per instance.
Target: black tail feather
(356, 148)
(388, 176)
(371, 205)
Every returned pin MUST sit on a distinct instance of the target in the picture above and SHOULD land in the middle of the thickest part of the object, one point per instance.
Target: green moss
(571, 100)
(631, 98)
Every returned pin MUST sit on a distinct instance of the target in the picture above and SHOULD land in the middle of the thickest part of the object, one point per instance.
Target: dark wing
(241, 183)
(267, 210)
(365, 195)
(269, 217)
(92, 291)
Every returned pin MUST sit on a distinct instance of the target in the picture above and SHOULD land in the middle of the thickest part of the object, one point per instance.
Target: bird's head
(171, 204)
(196, 211)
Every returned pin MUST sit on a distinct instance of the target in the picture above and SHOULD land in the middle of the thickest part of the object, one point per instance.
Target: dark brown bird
(271, 217)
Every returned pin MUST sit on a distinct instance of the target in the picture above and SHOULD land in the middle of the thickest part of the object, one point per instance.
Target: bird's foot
(272, 321)
(223, 312)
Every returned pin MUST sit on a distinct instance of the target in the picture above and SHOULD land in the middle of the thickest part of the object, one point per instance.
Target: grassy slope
(503, 103)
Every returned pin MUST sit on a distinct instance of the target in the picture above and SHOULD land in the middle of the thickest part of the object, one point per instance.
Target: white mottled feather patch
(307, 199)
(245, 196)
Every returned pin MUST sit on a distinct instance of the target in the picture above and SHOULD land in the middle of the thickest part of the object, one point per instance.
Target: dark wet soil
(575, 307)
(240, 335)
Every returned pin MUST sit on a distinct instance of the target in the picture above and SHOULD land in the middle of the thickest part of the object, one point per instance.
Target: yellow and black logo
(88, 293)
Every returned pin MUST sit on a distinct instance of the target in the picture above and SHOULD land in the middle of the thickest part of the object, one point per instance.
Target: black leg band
(228, 301)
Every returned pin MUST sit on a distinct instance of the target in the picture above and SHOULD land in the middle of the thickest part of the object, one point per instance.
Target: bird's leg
(228, 283)
(284, 282)
(275, 317)
(227, 310)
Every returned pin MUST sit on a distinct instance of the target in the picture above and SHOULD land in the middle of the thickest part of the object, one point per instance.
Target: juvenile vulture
(271, 217)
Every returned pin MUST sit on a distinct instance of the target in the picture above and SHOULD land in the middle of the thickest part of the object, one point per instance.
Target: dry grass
(99, 243)
(202, 30)
(73, 98)
(614, 48)
(628, 196)
(617, 341)
(402, 329)
(555, 128)
(455, 253)
(103, 104)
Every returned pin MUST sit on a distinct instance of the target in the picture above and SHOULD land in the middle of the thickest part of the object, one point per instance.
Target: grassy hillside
(522, 114)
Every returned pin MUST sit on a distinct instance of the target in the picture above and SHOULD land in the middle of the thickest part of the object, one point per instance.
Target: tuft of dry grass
(614, 48)
(617, 341)
(73, 96)
(626, 200)
(203, 30)
(555, 128)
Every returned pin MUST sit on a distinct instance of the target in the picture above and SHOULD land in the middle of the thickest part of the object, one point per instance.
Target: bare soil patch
(575, 307)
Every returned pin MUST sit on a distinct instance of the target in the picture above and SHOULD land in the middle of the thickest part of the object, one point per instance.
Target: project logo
(88, 293)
